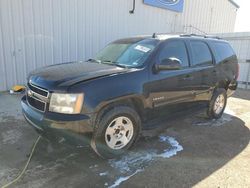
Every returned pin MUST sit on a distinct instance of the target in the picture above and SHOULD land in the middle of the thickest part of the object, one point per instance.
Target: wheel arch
(135, 102)
(223, 84)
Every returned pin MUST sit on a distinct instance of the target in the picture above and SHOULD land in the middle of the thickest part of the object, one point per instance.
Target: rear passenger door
(204, 71)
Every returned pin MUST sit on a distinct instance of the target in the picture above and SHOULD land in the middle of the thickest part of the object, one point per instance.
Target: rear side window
(201, 53)
(175, 49)
(222, 51)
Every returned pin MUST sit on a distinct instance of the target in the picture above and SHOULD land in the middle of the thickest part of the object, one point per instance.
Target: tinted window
(223, 51)
(175, 49)
(201, 53)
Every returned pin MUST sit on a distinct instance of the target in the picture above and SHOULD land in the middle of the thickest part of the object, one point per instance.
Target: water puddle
(135, 162)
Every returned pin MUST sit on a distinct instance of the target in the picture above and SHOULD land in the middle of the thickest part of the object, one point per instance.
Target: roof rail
(156, 35)
(161, 35)
(203, 36)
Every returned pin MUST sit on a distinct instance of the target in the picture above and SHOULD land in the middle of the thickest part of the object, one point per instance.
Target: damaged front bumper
(57, 127)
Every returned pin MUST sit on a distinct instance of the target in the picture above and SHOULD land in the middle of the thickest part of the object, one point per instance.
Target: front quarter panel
(102, 91)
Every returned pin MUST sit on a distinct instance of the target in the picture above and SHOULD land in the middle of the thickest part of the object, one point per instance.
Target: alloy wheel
(119, 132)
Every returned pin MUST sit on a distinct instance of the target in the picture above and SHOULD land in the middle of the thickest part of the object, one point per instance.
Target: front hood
(68, 74)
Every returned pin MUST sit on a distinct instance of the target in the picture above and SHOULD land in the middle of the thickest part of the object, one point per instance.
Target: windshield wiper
(113, 63)
(94, 60)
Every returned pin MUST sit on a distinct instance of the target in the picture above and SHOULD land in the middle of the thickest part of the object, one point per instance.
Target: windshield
(126, 54)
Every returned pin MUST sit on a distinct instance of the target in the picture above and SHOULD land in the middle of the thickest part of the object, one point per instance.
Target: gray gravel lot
(190, 151)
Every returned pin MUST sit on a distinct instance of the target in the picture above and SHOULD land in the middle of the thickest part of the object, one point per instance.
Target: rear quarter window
(222, 51)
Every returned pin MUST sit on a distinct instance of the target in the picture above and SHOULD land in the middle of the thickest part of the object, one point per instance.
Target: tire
(217, 104)
(116, 132)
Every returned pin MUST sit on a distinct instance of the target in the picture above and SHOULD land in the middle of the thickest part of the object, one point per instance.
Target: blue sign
(175, 5)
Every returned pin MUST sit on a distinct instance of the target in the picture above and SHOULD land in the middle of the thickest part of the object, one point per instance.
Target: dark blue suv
(130, 83)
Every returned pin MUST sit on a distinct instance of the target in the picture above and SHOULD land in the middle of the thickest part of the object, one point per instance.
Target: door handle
(188, 77)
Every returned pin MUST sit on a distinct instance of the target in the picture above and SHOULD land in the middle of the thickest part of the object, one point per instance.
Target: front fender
(103, 91)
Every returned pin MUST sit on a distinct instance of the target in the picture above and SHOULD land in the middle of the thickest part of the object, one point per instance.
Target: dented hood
(68, 74)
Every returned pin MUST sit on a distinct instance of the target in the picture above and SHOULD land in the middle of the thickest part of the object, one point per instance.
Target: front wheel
(116, 132)
(217, 104)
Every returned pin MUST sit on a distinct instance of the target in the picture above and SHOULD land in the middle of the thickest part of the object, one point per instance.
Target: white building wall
(211, 16)
(241, 44)
(36, 33)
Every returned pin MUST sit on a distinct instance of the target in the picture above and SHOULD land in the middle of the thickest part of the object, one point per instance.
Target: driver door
(172, 86)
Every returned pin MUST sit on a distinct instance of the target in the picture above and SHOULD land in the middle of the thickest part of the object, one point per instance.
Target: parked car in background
(129, 84)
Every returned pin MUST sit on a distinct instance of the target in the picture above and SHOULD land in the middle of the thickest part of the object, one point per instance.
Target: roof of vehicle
(163, 37)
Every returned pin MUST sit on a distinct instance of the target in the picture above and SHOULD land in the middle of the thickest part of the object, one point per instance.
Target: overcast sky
(243, 16)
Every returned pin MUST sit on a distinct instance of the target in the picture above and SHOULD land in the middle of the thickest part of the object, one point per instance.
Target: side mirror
(169, 64)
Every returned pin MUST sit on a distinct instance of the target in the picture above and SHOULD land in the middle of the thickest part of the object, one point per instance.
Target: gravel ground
(190, 151)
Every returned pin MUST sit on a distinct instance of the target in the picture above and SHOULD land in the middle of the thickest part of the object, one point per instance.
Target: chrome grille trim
(36, 96)
(47, 96)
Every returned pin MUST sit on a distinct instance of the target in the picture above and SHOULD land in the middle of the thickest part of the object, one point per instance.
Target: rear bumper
(55, 127)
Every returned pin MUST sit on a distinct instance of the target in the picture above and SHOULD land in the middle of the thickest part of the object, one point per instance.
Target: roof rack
(203, 36)
(164, 36)
(157, 34)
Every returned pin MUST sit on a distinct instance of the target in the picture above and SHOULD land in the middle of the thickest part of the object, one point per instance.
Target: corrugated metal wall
(241, 44)
(36, 33)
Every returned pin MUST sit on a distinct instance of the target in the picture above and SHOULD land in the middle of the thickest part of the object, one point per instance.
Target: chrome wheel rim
(119, 133)
(219, 104)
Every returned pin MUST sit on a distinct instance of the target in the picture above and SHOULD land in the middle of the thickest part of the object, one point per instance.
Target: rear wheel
(116, 132)
(217, 104)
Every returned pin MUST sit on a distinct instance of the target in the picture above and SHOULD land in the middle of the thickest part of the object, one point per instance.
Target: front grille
(39, 105)
(38, 90)
(37, 97)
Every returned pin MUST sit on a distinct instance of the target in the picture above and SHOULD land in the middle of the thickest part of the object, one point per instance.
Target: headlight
(66, 103)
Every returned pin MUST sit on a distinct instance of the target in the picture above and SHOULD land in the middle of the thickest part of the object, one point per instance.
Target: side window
(201, 53)
(176, 49)
(223, 51)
